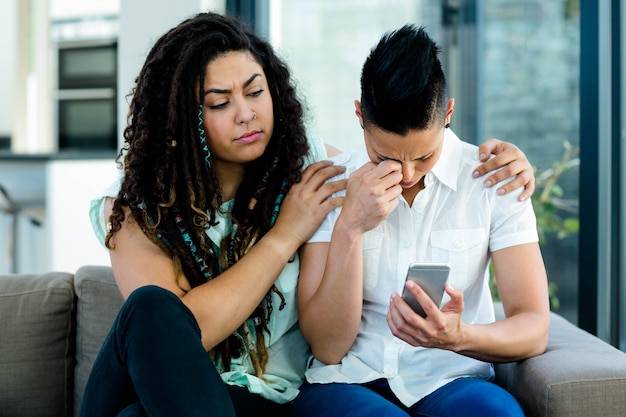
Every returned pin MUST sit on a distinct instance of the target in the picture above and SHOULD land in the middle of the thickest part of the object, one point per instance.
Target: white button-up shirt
(455, 220)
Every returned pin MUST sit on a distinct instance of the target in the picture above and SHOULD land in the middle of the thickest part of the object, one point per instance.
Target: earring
(205, 147)
(447, 125)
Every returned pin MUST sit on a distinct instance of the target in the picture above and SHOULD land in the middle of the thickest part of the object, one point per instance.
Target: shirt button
(458, 244)
(390, 372)
(407, 243)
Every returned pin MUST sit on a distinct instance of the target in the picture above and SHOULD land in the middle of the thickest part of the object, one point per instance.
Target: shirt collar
(447, 167)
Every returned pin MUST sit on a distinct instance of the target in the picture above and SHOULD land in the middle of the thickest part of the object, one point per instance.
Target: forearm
(516, 338)
(221, 305)
(331, 317)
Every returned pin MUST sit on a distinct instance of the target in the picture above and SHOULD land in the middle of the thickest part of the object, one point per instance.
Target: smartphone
(432, 278)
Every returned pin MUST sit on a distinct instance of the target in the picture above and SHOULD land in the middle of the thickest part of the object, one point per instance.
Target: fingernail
(482, 156)
(410, 283)
(522, 198)
(475, 174)
(500, 191)
(488, 183)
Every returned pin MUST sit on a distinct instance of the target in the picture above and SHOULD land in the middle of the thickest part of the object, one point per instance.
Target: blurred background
(545, 74)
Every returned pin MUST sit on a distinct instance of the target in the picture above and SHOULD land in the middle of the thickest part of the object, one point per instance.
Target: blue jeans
(459, 398)
(152, 363)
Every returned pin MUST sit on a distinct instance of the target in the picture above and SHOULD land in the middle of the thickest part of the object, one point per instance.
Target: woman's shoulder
(317, 150)
(97, 207)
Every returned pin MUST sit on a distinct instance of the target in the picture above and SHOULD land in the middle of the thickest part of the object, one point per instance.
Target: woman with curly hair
(220, 189)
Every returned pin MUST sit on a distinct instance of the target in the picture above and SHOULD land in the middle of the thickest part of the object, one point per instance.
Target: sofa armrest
(578, 375)
(36, 344)
(98, 301)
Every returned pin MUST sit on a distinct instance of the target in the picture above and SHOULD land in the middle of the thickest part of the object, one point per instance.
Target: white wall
(24, 181)
(138, 32)
(325, 44)
(70, 185)
(7, 64)
(66, 241)
(63, 9)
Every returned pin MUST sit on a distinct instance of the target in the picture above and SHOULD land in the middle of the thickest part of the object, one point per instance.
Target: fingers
(440, 327)
(372, 193)
(385, 176)
(505, 156)
(490, 147)
(456, 304)
(360, 172)
(390, 174)
(309, 201)
(422, 298)
(315, 179)
(398, 318)
(525, 179)
(513, 163)
(529, 189)
(403, 320)
(319, 172)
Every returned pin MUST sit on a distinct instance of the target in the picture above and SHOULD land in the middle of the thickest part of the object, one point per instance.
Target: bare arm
(221, 305)
(331, 150)
(522, 285)
(514, 163)
(330, 304)
(330, 290)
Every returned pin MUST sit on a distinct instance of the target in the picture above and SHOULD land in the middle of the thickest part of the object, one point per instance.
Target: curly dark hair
(169, 189)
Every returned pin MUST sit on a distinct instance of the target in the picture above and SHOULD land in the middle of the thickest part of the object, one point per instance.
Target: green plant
(556, 215)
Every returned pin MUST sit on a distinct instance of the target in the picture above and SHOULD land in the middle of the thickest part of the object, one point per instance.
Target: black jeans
(153, 363)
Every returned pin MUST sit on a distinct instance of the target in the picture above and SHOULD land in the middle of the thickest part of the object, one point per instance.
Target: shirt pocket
(461, 248)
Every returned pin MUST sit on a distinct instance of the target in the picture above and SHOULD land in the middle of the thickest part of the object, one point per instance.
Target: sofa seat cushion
(36, 344)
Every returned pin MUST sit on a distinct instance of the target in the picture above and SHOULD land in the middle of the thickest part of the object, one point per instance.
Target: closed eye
(219, 106)
(223, 105)
(256, 93)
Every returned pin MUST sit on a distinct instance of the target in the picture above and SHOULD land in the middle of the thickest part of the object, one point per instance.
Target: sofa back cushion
(99, 301)
(36, 345)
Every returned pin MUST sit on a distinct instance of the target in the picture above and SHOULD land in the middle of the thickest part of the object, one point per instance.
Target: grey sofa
(52, 326)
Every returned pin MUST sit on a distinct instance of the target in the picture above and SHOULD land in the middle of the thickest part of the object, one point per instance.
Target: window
(512, 66)
(87, 98)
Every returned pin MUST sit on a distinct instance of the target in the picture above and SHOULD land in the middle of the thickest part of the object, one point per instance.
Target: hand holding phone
(432, 278)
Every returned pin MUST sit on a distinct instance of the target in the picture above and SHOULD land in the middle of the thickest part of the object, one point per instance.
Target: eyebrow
(245, 84)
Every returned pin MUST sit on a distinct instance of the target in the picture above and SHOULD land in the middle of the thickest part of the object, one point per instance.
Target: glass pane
(87, 124)
(512, 66)
(88, 62)
(530, 73)
(326, 42)
(88, 67)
